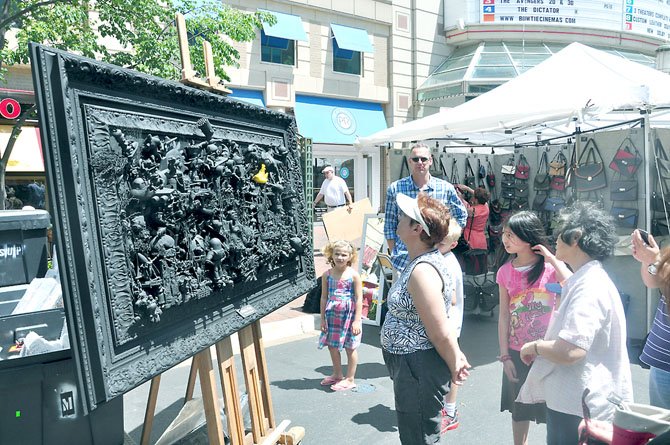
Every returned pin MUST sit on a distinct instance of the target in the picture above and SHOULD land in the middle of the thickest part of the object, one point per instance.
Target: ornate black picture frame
(178, 216)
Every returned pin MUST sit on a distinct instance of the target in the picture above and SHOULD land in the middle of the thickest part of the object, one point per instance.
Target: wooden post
(187, 71)
(231, 398)
(151, 410)
(209, 398)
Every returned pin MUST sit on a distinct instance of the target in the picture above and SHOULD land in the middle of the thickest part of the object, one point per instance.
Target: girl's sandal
(330, 380)
(344, 385)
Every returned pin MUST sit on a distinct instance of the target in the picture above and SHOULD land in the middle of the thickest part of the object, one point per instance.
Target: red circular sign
(9, 108)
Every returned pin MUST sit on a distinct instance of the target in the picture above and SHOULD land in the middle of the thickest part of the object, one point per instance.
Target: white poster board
(372, 272)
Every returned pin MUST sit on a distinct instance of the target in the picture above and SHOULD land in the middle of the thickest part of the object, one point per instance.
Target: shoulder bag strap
(468, 167)
(454, 172)
(543, 166)
(404, 167)
(442, 169)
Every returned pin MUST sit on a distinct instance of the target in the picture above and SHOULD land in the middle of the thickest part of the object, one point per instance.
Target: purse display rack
(624, 185)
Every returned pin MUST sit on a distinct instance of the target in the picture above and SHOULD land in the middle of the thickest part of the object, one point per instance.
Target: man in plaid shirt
(420, 179)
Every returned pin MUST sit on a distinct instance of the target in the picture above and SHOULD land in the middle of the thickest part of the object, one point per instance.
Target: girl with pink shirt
(525, 309)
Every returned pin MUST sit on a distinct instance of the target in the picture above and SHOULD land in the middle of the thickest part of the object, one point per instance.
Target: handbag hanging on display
(469, 178)
(521, 188)
(490, 176)
(623, 190)
(539, 201)
(554, 203)
(542, 179)
(557, 183)
(481, 174)
(558, 164)
(624, 217)
(522, 168)
(626, 161)
(509, 167)
(436, 169)
(454, 173)
(589, 173)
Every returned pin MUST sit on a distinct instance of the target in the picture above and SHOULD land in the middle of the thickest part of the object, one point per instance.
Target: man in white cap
(334, 191)
(420, 160)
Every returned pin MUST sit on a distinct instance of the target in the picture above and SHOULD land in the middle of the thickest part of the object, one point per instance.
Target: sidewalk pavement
(365, 415)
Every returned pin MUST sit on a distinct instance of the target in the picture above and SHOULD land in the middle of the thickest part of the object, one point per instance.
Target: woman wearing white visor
(418, 342)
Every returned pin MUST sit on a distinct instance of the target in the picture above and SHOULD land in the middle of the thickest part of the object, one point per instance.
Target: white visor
(410, 207)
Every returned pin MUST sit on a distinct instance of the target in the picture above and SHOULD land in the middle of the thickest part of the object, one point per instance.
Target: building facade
(348, 68)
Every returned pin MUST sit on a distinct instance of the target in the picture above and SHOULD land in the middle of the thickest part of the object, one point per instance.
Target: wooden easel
(263, 428)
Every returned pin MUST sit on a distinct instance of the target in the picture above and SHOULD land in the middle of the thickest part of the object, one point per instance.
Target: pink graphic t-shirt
(530, 307)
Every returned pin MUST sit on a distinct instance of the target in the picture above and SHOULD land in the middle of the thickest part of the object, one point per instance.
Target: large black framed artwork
(178, 216)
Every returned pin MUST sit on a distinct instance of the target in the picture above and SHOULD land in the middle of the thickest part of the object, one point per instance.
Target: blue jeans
(659, 388)
(562, 428)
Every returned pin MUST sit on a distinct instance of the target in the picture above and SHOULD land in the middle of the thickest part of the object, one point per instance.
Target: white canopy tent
(577, 89)
(578, 85)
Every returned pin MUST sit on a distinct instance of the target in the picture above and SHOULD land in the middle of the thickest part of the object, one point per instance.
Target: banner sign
(648, 17)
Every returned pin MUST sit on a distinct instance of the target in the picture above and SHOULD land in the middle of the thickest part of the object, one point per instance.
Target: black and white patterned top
(403, 331)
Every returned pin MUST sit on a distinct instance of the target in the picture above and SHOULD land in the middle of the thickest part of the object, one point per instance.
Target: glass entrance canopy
(475, 69)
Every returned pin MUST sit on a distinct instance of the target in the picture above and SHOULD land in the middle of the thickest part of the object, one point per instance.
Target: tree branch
(4, 23)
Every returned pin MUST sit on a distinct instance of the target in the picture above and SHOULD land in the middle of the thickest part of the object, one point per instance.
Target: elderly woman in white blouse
(585, 343)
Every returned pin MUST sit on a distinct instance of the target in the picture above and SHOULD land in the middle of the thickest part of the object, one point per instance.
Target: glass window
(494, 59)
(346, 61)
(277, 50)
(495, 72)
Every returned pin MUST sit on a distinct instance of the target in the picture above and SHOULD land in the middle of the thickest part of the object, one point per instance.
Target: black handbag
(507, 193)
(589, 173)
(623, 190)
(539, 201)
(470, 179)
(554, 203)
(521, 189)
(624, 217)
(519, 204)
(437, 169)
(542, 179)
(480, 291)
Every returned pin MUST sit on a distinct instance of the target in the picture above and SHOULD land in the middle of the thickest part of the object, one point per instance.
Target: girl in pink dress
(526, 307)
(341, 307)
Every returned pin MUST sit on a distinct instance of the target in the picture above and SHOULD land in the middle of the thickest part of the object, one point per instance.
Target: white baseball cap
(328, 168)
(410, 207)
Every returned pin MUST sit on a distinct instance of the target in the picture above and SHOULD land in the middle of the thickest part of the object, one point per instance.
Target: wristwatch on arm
(653, 268)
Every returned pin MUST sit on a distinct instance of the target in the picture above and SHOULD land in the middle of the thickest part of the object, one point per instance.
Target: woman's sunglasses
(420, 158)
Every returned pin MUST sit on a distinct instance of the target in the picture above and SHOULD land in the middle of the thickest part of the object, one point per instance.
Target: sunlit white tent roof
(576, 86)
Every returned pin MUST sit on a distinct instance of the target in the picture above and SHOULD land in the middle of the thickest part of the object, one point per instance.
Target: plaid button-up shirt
(437, 189)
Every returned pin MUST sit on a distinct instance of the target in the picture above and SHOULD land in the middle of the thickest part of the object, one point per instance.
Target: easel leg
(151, 410)
(190, 386)
(251, 379)
(209, 397)
(231, 397)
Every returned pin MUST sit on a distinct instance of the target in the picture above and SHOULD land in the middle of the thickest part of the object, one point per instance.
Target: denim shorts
(420, 382)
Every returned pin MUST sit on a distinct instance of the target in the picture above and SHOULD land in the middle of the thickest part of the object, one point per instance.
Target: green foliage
(146, 28)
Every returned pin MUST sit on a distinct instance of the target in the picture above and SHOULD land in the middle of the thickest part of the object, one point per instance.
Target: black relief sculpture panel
(178, 213)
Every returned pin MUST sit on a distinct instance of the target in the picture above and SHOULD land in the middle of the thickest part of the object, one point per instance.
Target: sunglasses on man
(419, 158)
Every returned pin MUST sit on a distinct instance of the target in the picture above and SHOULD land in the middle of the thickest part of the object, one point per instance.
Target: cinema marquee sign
(177, 213)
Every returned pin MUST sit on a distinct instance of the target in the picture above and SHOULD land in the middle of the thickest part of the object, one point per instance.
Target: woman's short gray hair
(590, 226)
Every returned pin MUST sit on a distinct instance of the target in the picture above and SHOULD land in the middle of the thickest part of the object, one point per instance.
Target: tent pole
(649, 156)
